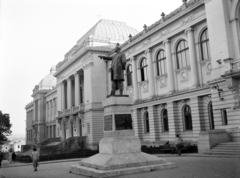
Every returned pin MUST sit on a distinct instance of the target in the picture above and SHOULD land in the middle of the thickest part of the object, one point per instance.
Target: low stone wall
(208, 139)
(70, 145)
(50, 140)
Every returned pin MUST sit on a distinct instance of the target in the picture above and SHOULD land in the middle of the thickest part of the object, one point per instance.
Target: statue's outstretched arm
(105, 58)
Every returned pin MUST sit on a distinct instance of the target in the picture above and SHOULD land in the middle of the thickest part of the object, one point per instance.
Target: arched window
(129, 75)
(161, 63)
(146, 121)
(204, 41)
(143, 69)
(187, 116)
(165, 127)
(210, 115)
(182, 54)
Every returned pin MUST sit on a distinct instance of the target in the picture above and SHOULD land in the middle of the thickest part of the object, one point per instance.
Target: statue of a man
(117, 69)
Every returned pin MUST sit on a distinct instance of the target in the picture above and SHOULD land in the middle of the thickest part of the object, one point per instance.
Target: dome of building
(108, 30)
(49, 81)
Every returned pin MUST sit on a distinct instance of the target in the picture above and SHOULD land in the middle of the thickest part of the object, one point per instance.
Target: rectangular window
(224, 117)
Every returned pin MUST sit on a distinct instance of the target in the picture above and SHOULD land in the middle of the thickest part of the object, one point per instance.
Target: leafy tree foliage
(5, 127)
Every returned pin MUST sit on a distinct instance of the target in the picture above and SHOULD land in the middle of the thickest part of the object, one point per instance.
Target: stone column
(77, 89)
(172, 116)
(69, 99)
(150, 73)
(153, 123)
(63, 97)
(170, 72)
(135, 83)
(196, 115)
(193, 57)
(138, 126)
(234, 25)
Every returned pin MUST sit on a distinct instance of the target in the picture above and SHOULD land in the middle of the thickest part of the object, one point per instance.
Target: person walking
(10, 156)
(35, 158)
(177, 145)
(13, 156)
(1, 158)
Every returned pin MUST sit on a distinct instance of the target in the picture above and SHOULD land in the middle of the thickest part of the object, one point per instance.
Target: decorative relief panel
(146, 42)
(184, 73)
(209, 68)
(164, 32)
(130, 90)
(131, 50)
(144, 86)
(162, 80)
(186, 20)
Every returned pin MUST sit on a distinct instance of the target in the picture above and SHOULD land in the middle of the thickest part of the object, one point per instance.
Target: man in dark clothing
(117, 69)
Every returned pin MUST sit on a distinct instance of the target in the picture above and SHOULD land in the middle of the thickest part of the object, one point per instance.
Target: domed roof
(109, 30)
(49, 81)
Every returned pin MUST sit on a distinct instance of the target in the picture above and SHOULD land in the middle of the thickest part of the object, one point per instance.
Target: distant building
(74, 107)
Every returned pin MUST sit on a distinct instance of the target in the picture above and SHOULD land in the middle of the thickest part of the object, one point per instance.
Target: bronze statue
(117, 69)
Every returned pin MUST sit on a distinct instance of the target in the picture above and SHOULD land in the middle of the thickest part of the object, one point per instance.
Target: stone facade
(182, 74)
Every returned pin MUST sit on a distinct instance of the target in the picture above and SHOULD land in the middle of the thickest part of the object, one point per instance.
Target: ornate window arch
(204, 44)
(146, 122)
(161, 62)
(143, 69)
(182, 54)
(129, 75)
(164, 116)
(187, 118)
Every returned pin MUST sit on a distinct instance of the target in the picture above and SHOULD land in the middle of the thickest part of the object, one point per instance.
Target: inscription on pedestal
(108, 123)
(123, 121)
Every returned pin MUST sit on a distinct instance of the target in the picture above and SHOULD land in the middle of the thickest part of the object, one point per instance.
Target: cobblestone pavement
(187, 167)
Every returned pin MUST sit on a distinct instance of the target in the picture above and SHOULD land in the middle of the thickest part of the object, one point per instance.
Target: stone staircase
(231, 149)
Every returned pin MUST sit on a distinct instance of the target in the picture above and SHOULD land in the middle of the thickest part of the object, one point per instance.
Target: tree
(5, 127)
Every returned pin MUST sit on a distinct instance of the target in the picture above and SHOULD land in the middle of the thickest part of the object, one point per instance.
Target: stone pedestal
(119, 150)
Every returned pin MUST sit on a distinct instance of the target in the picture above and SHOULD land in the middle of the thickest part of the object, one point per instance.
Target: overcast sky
(36, 34)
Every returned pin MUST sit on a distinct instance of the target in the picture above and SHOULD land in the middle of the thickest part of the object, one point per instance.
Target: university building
(182, 74)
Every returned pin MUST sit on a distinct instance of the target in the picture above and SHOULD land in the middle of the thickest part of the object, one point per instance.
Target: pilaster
(172, 117)
(195, 111)
(170, 72)
(150, 72)
(193, 57)
(153, 123)
(135, 83)
(77, 88)
(69, 98)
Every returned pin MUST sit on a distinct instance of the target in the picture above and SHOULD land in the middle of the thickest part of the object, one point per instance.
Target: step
(230, 143)
(227, 148)
(233, 151)
(221, 153)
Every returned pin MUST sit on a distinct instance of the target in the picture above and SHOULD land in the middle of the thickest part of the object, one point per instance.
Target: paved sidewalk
(187, 167)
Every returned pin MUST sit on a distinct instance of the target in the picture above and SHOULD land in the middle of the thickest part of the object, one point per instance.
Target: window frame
(161, 59)
(183, 53)
(129, 75)
(224, 117)
(143, 69)
(187, 118)
(203, 42)
(165, 123)
(146, 123)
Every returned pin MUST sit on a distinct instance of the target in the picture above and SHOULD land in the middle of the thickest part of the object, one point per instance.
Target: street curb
(158, 155)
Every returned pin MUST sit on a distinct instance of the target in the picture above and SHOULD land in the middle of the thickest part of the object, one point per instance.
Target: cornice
(163, 25)
(69, 62)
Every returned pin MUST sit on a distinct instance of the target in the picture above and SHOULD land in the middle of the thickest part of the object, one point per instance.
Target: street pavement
(187, 167)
